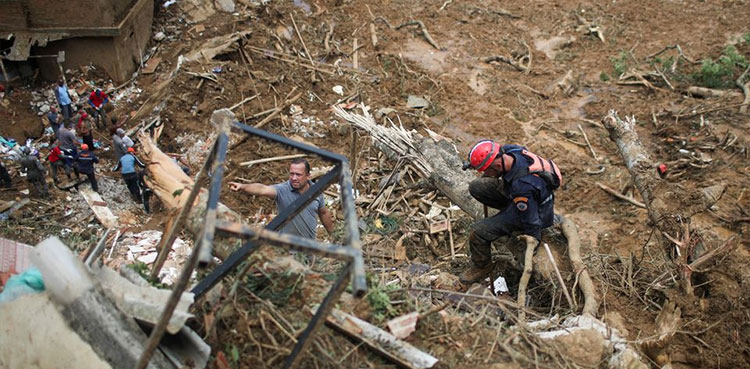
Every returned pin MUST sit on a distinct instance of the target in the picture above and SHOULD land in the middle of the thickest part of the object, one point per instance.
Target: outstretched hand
(234, 186)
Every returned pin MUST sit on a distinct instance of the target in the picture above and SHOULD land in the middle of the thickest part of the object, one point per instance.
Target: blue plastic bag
(28, 282)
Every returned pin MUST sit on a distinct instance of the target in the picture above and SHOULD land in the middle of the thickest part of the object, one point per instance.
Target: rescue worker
(5, 180)
(68, 142)
(126, 165)
(518, 183)
(86, 129)
(56, 160)
(85, 161)
(97, 100)
(35, 171)
(117, 143)
(145, 191)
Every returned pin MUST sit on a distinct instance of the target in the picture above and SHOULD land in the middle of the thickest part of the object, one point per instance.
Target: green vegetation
(604, 77)
(143, 270)
(620, 64)
(722, 72)
(379, 299)
(275, 287)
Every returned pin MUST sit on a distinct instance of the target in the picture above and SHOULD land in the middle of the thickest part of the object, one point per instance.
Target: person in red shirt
(97, 100)
(56, 161)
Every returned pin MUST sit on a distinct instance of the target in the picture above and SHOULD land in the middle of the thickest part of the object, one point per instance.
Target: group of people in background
(75, 158)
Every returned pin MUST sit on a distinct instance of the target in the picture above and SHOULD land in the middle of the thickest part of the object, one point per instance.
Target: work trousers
(92, 179)
(57, 165)
(40, 185)
(5, 180)
(131, 180)
(89, 140)
(66, 111)
(490, 192)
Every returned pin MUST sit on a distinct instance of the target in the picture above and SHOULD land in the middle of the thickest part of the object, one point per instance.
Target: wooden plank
(99, 207)
(151, 65)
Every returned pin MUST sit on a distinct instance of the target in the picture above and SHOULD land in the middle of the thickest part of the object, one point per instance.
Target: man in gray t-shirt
(305, 223)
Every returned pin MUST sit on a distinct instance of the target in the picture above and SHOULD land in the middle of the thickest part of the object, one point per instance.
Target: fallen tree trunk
(669, 206)
(173, 186)
(439, 162)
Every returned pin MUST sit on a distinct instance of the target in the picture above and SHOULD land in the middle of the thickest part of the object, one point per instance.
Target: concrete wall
(13, 14)
(119, 56)
(20, 14)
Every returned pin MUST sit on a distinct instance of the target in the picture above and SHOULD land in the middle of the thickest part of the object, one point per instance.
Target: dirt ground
(563, 80)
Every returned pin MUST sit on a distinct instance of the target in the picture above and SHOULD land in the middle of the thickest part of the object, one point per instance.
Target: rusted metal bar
(284, 216)
(289, 241)
(327, 155)
(158, 332)
(320, 316)
(165, 245)
(209, 225)
(351, 227)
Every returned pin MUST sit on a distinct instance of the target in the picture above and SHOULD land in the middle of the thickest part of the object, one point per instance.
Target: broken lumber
(669, 206)
(172, 186)
(116, 338)
(710, 92)
(380, 341)
(590, 304)
(99, 207)
(437, 161)
(528, 261)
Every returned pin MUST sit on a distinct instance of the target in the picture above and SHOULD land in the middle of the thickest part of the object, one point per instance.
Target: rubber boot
(476, 273)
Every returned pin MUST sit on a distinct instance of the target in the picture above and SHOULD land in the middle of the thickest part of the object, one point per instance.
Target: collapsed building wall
(113, 39)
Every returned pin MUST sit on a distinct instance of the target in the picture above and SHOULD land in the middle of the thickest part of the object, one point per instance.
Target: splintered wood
(99, 207)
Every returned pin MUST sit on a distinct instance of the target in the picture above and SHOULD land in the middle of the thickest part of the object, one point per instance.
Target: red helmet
(482, 155)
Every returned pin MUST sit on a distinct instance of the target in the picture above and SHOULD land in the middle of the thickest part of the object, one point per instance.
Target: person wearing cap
(35, 171)
(86, 160)
(127, 166)
(86, 129)
(63, 99)
(520, 185)
(118, 144)
(97, 100)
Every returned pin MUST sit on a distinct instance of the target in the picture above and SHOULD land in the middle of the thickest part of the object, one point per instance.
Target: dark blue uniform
(86, 160)
(525, 201)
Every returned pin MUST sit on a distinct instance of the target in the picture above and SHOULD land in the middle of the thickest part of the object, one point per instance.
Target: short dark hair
(300, 161)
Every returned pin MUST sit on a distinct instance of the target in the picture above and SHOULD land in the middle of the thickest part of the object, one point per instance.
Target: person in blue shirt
(520, 185)
(126, 165)
(63, 99)
(54, 119)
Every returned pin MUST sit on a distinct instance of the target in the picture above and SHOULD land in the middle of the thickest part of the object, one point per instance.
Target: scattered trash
(159, 36)
(404, 325)
(217, 69)
(500, 286)
(416, 102)
(339, 90)
(28, 282)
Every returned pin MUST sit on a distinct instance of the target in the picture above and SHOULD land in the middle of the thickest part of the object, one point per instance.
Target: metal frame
(351, 252)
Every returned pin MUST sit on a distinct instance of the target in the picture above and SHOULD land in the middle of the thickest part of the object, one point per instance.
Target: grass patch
(722, 72)
(379, 298)
(620, 64)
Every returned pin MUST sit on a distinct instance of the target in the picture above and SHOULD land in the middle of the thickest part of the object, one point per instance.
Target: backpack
(543, 168)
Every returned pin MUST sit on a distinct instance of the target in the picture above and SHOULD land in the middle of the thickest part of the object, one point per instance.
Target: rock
(339, 90)
(226, 5)
(44, 109)
(380, 113)
(416, 102)
(159, 36)
(585, 347)
(284, 32)
(615, 320)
